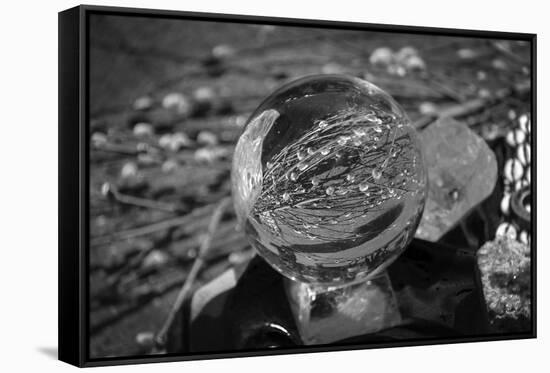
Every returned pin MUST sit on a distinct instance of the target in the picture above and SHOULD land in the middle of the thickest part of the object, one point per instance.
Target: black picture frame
(74, 79)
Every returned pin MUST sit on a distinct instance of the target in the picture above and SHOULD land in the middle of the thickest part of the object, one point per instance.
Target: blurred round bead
(204, 95)
(511, 139)
(513, 170)
(524, 154)
(143, 130)
(515, 137)
(405, 53)
(165, 141)
(129, 169)
(466, 53)
(155, 259)
(519, 184)
(98, 139)
(143, 103)
(499, 64)
(179, 140)
(207, 138)
(210, 154)
(524, 123)
(484, 93)
(332, 68)
(414, 63)
(143, 147)
(507, 230)
(146, 339)
(520, 136)
(178, 102)
(146, 159)
(105, 189)
(223, 51)
(524, 237)
(174, 142)
(169, 165)
(481, 75)
(505, 204)
(395, 69)
(381, 56)
(427, 108)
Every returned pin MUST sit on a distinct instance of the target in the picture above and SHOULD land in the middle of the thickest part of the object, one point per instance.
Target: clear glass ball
(329, 180)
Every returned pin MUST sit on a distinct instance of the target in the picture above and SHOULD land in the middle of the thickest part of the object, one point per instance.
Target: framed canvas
(233, 186)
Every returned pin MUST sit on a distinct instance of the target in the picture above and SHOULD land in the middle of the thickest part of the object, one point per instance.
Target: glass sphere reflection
(329, 180)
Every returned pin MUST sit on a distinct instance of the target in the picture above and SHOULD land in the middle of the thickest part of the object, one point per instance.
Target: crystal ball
(329, 180)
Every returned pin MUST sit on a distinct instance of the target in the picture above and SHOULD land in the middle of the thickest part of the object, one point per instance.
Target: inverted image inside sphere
(329, 180)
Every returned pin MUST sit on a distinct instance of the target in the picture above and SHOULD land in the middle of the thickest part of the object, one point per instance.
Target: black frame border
(73, 192)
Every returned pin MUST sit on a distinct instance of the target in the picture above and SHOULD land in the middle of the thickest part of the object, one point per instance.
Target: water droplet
(310, 151)
(330, 191)
(342, 191)
(293, 176)
(359, 132)
(376, 173)
(363, 187)
(343, 140)
(315, 181)
(455, 194)
(300, 155)
(286, 196)
(333, 221)
(269, 165)
(357, 142)
(376, 138)
(325, 151)
(323, 124)
(350, 177)
(302, 166)
(377, 129)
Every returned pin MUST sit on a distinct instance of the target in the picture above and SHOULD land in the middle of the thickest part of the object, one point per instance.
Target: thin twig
(197, 265)
(502, 48)
(471, 106)
(151, 228)
(140, 202)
